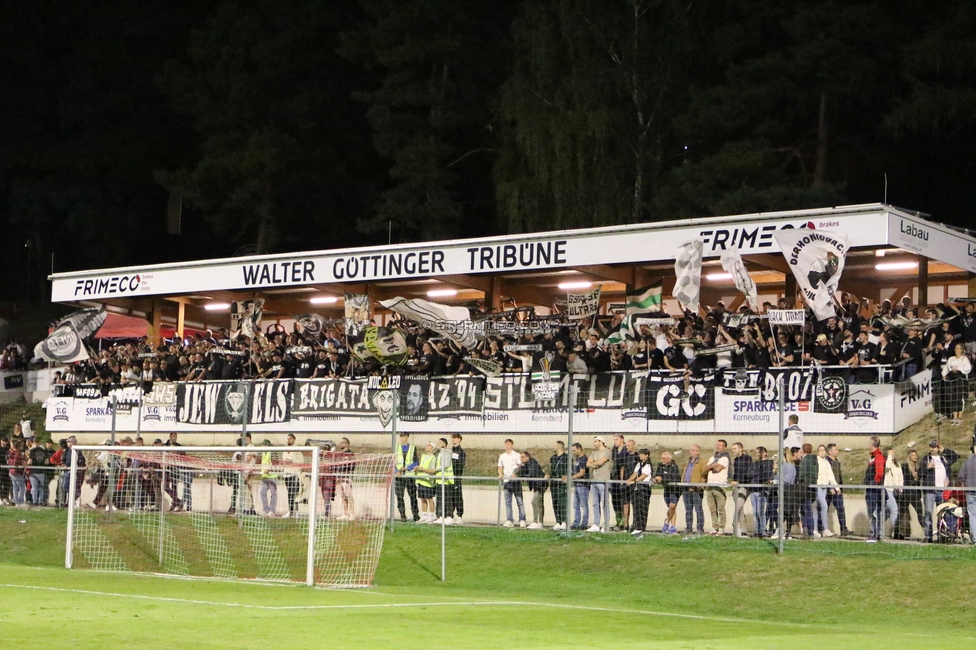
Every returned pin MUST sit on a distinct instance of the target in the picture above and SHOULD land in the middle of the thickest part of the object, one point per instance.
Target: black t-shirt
(847, 350)
(676, 357)
(787, 350)
(824, 354)
(639, 359)
(304, 368)
(656, 358)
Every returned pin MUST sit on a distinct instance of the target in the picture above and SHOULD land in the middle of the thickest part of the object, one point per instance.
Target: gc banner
(667, 398)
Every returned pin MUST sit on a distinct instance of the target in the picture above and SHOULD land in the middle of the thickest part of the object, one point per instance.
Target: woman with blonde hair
(893, 477)
(825, 476)
(955, 371)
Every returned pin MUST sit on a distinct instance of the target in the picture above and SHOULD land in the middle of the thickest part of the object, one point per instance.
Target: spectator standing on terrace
(17, 462)
(508, 464)
(911, 351)
(913, 498)
(575, 365)
(455, 505)
(668, 474)
(825, 476)
(186, 476)
(269, 483)
(581, 490)
(967, 479)
(835, 497)
(292, 461)
(617, 490)
(717, 478)
(762, 474)
(874, 475)
(807, 474)
(6, 487)
(893, 478)
(641, 480)
(530, 469)
(407, 460)
(558, 468)
(935, 471)
(955, 372)
(694, 472)
(600, 465)
(742, 472)
(793, 434)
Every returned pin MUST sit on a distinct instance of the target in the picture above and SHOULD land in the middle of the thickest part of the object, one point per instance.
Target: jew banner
(687, 271)
(816, 258)
(245, 317)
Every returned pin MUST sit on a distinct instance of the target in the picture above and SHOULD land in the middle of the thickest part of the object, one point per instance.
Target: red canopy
(117, 326)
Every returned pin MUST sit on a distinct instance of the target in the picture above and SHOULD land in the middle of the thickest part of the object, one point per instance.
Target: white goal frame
(312, 498)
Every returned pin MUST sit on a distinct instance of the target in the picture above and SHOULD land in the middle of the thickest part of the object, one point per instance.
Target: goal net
(285, 514)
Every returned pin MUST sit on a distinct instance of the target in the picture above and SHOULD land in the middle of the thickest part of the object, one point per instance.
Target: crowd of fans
(861, 338)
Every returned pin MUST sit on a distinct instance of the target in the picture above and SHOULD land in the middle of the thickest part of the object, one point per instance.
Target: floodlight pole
(781, 407)
(313, 507)
(72, 486)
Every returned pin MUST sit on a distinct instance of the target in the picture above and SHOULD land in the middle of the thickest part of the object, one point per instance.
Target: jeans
(581, 492)
(837, 500)
(932, 498)
(873, 498)
(892, 505)
(822, 505)
(598, 493)
(19, 485)
(808, 503)
(514, 489)
(758, 501)
(37, 488)
(692, 500)
(971, 513)
(269, 486)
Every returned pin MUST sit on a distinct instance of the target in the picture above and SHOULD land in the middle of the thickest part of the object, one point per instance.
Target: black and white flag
(245, 317)
(582, 305)
(687, 271)
(452, 322)
(66, 342)
(734, 266)
(816, 258)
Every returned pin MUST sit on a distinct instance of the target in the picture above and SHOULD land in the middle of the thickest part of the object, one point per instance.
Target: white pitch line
(490, 603)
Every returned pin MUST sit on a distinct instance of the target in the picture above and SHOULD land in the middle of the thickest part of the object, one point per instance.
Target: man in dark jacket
(668, 474)
(835, 497)
(874, 475)
(806, 475)
(906, 498)
(740, 475)
(558, 466)
(935, 471)
(455, 499)
(531, 469)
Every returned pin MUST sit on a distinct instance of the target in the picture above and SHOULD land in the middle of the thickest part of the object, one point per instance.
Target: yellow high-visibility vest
(403, 460)
(427, 461)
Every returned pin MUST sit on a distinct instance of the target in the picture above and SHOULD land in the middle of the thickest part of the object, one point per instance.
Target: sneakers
(522, 524)
(438, 521)
(827, 533)
(341, 518)
(286, 515)
(448, 521)
(458, 521)
(593, 529)
(637, 534)
(666, 528)
(559, 527)
(940, 417)
(535, 526)
(871, 540)
(816, 535)
(673, 530)
(508, 524)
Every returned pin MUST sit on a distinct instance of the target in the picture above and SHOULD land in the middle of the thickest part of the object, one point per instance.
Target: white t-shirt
(509, 461)
(718, 477)
(940, 472)
(645, 473)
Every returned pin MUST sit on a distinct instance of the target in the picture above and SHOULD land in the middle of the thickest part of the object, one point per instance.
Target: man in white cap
(599, 465)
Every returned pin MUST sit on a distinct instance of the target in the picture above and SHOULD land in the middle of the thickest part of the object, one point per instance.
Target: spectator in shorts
(530, 468)
(600, 465)
(640, 480)
(695, 472)
(718, 476)
(508, 464)
(425, 483)
(668, 474)
(581, 491)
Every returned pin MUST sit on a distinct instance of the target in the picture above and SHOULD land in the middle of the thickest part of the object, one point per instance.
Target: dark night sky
(290, 125)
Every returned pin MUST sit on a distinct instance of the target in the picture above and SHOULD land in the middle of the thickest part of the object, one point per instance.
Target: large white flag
(66, 342)
(453, 322)
(816, 258)
(732, 263)
(245, 317)
(687, 271)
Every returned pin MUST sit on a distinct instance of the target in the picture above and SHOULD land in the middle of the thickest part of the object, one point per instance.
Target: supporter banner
(687, 272)
(420, 398)
(66, 342)
(582, 305)
(450, 321)
(798, 383)
(527, 347)
(232, 402)
(817, 261)
(734, 266)
(357, 312)
(668, 399)
(786, 317)
(489, 368)
(608, 390)
(245, 317)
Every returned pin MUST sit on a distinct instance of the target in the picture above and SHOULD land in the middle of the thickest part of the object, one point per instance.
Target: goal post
(284, 514)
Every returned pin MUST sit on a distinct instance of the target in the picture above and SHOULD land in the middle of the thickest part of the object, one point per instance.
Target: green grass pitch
(508, 589)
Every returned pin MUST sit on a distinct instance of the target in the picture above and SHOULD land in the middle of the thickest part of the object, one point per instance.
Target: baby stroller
(950, 521)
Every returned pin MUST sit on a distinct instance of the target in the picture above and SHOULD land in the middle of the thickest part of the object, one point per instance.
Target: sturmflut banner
(734, 400)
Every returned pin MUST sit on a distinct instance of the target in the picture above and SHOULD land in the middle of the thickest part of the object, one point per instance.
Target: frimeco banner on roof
(736, 400)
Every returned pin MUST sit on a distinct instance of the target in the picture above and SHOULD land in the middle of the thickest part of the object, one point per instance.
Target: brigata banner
(439, 396)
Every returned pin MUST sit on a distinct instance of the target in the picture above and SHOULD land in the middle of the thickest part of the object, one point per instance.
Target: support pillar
(789, 290)
(923, 281)
(157, 322)
(180, 319)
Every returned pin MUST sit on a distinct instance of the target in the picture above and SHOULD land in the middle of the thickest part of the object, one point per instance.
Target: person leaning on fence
(529, 468)
(558, 468)
(407, 460)
(806, 476)
(835, 497)
(581, 490)
(668, 474)
(444, 483)
(600, 465)
(762, 474)
(741, 474)
(641, 480)
(967, 479)
(716, 479)
(695, 471)
(935, 471)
